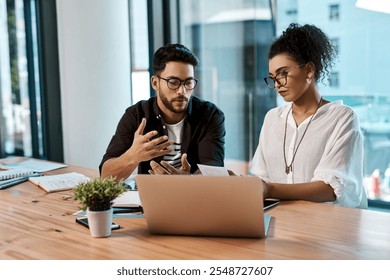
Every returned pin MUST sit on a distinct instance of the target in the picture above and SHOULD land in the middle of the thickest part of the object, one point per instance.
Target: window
(362, 58)
(334, 79)
(139, 47)
(291, 12)
(20, 117)
(336, 42)
(26, 65)
(231, 67)
(334, 12)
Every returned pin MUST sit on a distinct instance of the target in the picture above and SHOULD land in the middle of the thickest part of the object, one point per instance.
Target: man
(169, 133)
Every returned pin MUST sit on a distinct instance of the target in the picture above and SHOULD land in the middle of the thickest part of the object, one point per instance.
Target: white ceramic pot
(100, 222)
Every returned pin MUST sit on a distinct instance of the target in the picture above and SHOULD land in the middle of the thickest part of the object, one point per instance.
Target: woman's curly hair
(306, 44)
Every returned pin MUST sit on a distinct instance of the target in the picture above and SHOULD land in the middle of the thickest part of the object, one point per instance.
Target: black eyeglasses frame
(283, 75)
(180, 84)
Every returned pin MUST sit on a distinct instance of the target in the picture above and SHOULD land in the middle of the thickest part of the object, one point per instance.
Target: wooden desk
(38, 225)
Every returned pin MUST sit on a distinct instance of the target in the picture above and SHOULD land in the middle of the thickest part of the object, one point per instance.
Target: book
(16, 173)
(60, 182)
(129, 199)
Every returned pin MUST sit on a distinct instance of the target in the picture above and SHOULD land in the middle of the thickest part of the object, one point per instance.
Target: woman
(310, 149)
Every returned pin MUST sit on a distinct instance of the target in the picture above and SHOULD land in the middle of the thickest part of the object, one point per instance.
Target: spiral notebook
(15, 173)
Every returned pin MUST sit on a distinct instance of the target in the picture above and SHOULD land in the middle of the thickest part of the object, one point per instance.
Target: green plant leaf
(98, 194)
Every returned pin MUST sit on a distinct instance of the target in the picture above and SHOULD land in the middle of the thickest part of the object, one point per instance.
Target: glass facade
(231, 40)
(139, 49)
(15, 94)
(358, 29)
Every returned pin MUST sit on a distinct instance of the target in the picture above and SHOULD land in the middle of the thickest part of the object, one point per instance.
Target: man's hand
(144, 149)
(165, 168)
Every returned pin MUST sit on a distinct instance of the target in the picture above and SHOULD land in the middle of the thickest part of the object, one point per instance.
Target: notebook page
(60, 182)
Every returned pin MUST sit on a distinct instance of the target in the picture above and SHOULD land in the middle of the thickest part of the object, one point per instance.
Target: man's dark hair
(172, 52)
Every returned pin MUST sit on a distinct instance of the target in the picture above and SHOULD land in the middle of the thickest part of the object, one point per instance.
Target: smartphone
(270, 202)
(84, 221)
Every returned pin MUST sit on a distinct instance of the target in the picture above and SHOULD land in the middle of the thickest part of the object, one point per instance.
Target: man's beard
(169, 106)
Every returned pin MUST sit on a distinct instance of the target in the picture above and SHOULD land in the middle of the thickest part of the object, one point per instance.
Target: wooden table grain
(37, 225)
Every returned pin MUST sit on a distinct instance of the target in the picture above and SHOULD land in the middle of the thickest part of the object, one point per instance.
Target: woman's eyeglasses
(280, 79)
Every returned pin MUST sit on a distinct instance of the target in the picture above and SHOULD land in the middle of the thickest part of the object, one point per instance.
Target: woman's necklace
(289, 166)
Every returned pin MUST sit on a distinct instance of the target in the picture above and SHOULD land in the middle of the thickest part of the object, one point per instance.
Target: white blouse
(331, 151)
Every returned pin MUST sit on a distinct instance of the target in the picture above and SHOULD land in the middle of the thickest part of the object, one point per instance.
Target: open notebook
(203, 205)
(59, 182)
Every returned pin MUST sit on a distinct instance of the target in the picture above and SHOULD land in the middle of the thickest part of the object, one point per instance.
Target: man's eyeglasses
(280, 79)
(175, 83)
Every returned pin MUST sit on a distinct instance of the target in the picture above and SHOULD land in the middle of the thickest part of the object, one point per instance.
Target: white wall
(94, 58)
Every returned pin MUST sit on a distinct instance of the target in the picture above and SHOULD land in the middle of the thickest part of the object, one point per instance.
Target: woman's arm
(312, 191)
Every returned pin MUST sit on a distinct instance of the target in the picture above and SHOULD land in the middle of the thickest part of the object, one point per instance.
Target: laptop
(229, 206)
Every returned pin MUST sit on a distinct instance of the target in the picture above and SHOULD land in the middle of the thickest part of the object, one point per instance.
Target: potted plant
(96, 197)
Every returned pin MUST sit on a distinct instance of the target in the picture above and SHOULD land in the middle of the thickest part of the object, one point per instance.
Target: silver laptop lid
(202, 205)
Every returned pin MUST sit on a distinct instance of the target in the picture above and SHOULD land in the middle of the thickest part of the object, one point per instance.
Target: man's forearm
(119, 167)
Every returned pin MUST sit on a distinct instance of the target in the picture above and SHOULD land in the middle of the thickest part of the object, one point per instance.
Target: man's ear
(154, 82)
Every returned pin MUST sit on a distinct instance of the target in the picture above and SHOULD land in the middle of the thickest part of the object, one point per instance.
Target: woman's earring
(308, 80)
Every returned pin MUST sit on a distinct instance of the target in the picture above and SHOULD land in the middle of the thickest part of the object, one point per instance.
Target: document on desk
(33, 165)
(208, 170)
(60, 182)
(36, 165)
(267, 221)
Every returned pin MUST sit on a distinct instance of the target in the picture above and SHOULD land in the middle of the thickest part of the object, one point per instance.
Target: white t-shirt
(331, 151)
(175, 134)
